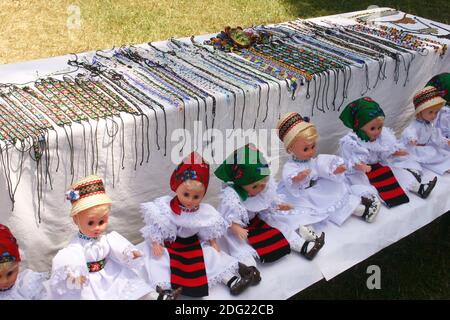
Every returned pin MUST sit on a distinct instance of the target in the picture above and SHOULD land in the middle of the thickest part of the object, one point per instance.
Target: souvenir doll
(96, 264)
(181, 234)
(16, 284)
(261, 225)
(442, 83)
(374, 156)
(318, 182)
(423, 140)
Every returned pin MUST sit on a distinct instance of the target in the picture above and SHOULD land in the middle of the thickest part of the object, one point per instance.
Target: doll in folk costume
(261, 225)
(95, 264)
(318, 182)
(16, 284)
(180, 232)
(374, 156)
(422, 138)
(442, 83)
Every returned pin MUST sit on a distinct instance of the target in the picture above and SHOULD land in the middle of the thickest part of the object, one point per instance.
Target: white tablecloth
(346, 246)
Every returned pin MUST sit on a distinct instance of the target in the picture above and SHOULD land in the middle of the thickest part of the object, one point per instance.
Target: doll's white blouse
(116, 280)
(162, 224)
(354, 151)
(28, 286)
(432, 153)
(322, 190)
(443, 121)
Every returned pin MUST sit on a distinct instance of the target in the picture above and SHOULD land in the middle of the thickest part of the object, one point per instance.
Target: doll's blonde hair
(4, 266)
(436, 106)
(310, 134)
(194, 185)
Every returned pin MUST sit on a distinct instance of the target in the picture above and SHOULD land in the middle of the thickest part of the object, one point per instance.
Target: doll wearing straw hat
(16, 284)
(423, 140)
(442, 83)
(374, 156)
(318, 182)
(95, 264)
(180, 231)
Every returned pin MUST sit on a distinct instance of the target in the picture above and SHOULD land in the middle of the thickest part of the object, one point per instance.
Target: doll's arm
(157, 249)
(123, 251)
(69, 270)
(239, 231)
(295, 180)
(409, 136)
(352, 153)
(214, 226)
(214, 244)
(158, 227)
(438, 138)
(330, 167)
(231, 208)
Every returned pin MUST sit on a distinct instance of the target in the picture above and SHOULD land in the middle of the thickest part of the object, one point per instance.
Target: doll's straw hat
(290, 125)
(426, 98)
(87, 193)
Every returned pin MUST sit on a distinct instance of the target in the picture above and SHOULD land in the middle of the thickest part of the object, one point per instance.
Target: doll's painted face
(93, 221)
(373, 128)
(256, 187)
(191, 193)
(430, 114)
(8, 274)
(303, 149)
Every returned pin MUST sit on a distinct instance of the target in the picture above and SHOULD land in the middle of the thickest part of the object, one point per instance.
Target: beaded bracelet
(12, 127)
(42, 122)
(81, 97)
(108, 107)
(37, 125)
(66, 100)
(49, 108)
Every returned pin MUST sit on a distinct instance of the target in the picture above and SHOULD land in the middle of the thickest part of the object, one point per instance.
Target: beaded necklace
(169, 94)
(206, 72)
(34, 113)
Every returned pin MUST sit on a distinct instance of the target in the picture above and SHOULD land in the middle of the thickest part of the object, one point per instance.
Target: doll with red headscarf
(16, 284)
(181, 232)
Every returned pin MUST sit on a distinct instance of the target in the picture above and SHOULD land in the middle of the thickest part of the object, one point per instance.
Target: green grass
(31, 29)
(416, 267)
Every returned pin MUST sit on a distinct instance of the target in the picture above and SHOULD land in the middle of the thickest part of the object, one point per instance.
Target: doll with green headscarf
(442, 83)
(374, 156)
(261, 225)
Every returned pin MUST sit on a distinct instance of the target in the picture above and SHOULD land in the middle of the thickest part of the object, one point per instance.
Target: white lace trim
(129, 258)
(232, 208)
(58, 279)
(215, 231)
(334, 163)
(337, 205)
(158, 226)
(354, 153)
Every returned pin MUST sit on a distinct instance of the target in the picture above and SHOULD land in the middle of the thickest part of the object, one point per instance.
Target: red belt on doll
(96, 265)
(383, 179)
(269, 242)
(187, 266)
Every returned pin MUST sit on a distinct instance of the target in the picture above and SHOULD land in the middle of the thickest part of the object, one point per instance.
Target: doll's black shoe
(318, 244)
(168, 294)
(372, 208)
(238, 285)
(426, 188)
(250, 272)
(415, 174)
